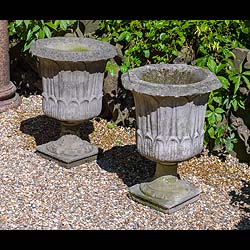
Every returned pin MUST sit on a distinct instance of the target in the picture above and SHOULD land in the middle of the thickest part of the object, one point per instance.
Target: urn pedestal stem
(72, 128)
(165, 169)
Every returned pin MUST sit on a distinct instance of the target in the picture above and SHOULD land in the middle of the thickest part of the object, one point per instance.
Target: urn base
(166, 193)
(68, 151)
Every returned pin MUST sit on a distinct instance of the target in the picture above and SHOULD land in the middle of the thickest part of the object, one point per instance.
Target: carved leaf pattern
(169, 128)
(71, 94)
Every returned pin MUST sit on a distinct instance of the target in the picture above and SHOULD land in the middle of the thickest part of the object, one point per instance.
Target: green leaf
(218, 117)
(111, 126)
(19, 22)
(122, 36)
(217, 141)
(63, 24)
(218, 99)
(220, 67)
(41, 34)
(211, 64)
(146, 53)
(139, 34)
(35, 28)
(211, 107)
(201, 61)
(219, 110)
(211, 119)
(224, 82)
(26, 22)
(27, 46)
(47, 31)
(247, 73)
(234, 104)
(128, 36)
(211, 132)
(246, 81)
(236, 83)
(241, 104)
(163, 36)
(51, 25)
(209, 113)
(220, 131)
(29, 34)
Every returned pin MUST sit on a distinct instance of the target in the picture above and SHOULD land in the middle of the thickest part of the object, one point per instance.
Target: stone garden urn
(170, 102)
(72, 71)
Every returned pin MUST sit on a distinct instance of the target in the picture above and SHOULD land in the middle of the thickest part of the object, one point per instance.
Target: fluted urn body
(170, 102)
(72, 71)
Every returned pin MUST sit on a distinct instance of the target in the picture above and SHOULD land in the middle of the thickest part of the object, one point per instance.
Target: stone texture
(72, 71)
(69, 151)
(73, 49)
(170, 80)
(166, 193)
(170, 101)
(170, 110)
(240, 56)
(8, 96)
(170, 129)
(72, 90)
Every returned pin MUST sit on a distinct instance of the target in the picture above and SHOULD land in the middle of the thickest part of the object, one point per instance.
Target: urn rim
(62, 49)
(206, 81)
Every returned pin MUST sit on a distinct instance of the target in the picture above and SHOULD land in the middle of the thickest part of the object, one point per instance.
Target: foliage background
(204, 43)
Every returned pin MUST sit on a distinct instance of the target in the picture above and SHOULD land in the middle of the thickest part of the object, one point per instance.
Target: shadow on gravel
(127, 163)
(242, 200)
(45, 129)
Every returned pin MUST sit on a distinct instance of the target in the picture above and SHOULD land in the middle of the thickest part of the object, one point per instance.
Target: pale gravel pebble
(39, 194)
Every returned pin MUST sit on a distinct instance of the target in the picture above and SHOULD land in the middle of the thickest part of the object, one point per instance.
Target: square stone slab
(68, 151)
(166, 193)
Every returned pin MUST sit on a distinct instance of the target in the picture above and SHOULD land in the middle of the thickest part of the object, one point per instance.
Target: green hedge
(205, 43)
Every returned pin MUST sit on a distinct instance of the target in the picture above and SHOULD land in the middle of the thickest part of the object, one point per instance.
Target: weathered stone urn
(72, 71)
(170, 102)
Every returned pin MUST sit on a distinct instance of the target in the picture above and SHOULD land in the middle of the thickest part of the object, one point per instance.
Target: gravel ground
(39, 194)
